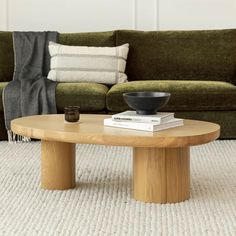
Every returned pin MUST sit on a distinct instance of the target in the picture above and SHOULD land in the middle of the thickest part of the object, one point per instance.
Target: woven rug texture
(102, 204)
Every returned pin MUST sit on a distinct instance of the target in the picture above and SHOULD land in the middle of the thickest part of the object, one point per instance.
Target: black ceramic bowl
(146, 103)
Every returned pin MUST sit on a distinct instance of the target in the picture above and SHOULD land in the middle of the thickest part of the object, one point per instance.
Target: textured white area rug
(102, 204)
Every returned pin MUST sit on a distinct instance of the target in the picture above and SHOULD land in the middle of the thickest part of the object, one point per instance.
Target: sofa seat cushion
(2, 86)
(89, 96)
(185, 95)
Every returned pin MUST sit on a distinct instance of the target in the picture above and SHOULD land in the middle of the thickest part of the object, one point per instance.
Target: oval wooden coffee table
(161, 167)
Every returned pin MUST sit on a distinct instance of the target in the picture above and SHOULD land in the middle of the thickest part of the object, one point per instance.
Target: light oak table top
(92, 131)
(161, 160)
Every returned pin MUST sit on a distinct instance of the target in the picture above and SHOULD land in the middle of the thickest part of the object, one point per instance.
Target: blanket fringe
(16, 138)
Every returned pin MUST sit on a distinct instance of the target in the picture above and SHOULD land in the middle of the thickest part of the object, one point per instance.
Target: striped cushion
(88, 64)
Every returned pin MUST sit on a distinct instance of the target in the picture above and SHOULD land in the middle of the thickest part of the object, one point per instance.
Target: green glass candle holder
(72, 114)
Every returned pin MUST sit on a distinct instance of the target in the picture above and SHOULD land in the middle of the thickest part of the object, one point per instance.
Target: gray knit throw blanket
(30, 92)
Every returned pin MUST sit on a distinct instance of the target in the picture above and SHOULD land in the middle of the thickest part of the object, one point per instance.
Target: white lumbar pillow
(88, 64)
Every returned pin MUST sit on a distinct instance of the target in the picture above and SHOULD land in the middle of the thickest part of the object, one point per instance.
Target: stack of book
(131, 120)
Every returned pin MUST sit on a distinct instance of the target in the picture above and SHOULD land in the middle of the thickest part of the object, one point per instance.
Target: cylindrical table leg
(161, 175)
(57, 165)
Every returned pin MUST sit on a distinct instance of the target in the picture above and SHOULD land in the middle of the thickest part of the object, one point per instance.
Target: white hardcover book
(160, 117)
(144, 126)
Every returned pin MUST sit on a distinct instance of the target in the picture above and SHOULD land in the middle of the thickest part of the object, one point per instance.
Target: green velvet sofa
(198, 68)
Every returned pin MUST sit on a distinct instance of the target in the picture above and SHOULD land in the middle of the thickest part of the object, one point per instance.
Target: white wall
(78, 15)
(197, 14)
(102, 15)
(3, 15)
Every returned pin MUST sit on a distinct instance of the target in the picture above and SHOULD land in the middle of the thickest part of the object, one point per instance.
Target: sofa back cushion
(101, 39)
(6, 57)
(180, 55)
(96, 39)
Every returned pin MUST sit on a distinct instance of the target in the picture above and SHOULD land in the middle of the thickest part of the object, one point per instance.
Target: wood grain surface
(57, 165)
(91, 130)
(161, 175)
